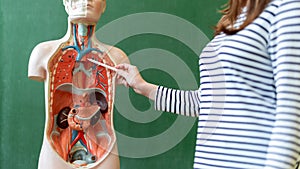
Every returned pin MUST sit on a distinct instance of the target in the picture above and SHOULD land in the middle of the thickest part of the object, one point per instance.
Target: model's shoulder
(38, 59)
(118, 55)
(47, 46)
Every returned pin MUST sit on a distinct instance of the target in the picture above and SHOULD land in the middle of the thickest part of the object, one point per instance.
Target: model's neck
(82, 33)
(83, 29)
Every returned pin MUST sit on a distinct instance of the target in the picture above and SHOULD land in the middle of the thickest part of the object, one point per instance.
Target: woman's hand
(129, 75)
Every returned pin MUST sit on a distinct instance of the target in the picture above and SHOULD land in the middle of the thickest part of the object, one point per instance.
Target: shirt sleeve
(284, 145)
(180, 102)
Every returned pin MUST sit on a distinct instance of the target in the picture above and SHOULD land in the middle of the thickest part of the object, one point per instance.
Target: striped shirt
(248, 102)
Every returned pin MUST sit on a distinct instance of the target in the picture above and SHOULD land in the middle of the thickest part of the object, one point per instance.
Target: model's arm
(284, 145)
(36, 69)
(170, 100)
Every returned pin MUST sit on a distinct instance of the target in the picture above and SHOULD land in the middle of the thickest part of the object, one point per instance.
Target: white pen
(102, 64)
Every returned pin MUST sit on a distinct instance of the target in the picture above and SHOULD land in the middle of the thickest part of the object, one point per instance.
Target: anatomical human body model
(81, 100)
(79, 94)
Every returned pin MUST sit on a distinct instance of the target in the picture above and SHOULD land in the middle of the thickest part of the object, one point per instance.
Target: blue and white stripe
(248, 102)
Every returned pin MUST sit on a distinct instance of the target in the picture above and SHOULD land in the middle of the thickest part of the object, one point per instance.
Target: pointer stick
(102, 64)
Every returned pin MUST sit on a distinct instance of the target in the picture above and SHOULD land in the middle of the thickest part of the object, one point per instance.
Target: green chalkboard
(162, 37)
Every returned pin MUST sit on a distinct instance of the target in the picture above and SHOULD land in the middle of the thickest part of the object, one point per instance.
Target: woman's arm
(130, 76)
(284, 145)
(170, 100)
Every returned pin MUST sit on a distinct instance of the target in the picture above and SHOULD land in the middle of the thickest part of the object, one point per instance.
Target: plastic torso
(80, 100)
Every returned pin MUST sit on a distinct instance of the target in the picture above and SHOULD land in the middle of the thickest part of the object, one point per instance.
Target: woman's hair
(233, 9)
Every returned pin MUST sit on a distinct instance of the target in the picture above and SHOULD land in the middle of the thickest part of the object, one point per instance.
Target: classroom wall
(162, 38)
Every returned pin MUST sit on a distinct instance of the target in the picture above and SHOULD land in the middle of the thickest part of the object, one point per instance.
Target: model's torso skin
(79, 98)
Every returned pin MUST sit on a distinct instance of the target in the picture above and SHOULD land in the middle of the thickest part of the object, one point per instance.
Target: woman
(248, 102)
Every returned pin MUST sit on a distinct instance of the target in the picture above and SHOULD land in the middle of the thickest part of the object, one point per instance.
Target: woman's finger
(122, 73)
(123, 66)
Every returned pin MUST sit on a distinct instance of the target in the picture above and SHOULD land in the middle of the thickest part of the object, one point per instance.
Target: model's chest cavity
(81, 100)
(82, 74)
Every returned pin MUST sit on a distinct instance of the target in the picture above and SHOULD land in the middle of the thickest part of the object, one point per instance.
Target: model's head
(86, 11)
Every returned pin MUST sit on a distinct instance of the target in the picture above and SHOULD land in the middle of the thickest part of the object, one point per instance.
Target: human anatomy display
(79, 77)
(83, 121)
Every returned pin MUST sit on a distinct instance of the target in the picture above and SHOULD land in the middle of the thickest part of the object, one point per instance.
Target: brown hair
(233, 9)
